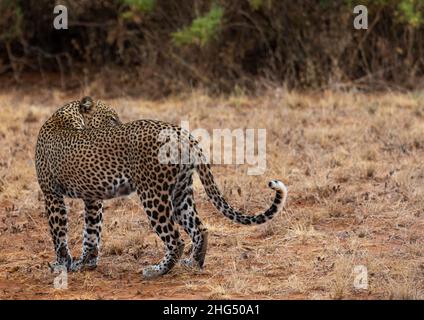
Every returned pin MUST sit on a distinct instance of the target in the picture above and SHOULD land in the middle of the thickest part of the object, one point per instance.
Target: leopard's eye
(114, 121)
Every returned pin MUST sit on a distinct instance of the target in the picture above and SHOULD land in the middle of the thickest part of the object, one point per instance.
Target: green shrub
(202, 30)
(255, 4)
(229, 45)
(11, 20)
(142, 5)
(409, 11)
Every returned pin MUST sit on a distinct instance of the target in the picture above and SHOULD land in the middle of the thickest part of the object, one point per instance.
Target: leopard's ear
(86, 104)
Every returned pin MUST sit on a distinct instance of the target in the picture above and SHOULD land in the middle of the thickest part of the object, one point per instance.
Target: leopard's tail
(221, 204)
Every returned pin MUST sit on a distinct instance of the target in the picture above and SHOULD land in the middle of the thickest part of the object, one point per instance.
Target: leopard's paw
(83, 264)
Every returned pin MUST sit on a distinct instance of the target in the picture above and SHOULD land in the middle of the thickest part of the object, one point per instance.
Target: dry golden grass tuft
(353, 165)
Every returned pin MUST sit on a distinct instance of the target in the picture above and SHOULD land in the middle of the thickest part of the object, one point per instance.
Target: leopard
(84, 151)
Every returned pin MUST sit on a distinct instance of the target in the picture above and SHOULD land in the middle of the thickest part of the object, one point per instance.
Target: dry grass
(353, 164)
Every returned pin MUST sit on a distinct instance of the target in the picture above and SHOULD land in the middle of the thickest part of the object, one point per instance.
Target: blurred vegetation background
(162, 47)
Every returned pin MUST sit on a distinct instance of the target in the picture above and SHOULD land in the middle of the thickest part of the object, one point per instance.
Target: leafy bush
(10, 21)
(217, 44)
(410, 11)
(142, 5)
(202, 30)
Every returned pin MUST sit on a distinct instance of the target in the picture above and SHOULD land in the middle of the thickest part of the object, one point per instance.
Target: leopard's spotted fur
(84, 151)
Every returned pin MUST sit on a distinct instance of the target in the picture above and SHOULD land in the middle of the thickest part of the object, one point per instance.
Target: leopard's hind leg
(58, 223)
(159, 210)
(185, 214)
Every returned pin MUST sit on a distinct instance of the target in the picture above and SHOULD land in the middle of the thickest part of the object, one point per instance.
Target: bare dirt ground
(354, 167)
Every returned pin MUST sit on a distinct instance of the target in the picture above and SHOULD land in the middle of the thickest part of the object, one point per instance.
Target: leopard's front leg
(92, 231)
(58, 223)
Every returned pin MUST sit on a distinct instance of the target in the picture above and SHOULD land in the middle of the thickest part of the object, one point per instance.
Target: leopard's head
(98, 115)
